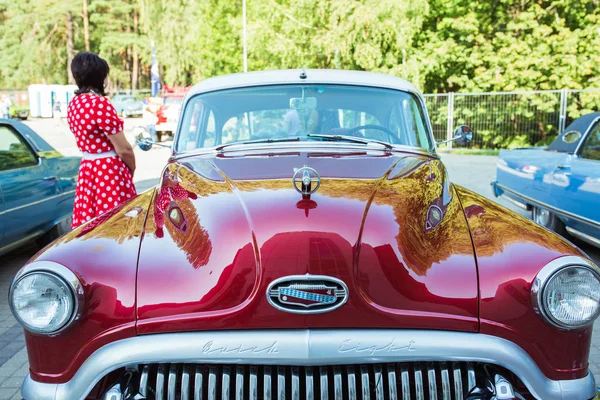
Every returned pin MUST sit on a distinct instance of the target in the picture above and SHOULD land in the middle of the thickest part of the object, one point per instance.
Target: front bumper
(312, 347)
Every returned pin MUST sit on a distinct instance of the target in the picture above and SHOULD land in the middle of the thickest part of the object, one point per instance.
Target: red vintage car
(305, 242)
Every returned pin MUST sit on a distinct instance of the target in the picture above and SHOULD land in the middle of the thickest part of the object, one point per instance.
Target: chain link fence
(500, 120)
(509, 119)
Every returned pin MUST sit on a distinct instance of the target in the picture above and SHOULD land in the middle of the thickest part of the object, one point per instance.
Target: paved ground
(473, 172)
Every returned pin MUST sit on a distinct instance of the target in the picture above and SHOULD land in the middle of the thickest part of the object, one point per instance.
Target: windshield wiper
(352, 139)
(271, 140)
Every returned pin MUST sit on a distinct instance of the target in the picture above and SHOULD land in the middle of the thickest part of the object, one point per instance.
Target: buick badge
(307, 294)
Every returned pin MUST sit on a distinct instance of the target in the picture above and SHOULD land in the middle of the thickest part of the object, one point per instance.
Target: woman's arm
(124, 150)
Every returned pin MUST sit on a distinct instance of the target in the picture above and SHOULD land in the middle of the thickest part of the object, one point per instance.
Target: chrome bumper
(311, 347)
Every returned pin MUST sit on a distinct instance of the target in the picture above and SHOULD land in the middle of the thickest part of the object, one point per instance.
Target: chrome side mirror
(145, 141)
(462, 136)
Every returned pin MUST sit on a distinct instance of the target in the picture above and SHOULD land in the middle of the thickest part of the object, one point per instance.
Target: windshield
(299, 111)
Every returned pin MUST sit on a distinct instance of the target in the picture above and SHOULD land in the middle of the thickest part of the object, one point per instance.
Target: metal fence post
(449, 129)
(562, 118)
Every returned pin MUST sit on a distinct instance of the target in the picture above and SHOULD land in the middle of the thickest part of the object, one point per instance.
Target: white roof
(292, 76)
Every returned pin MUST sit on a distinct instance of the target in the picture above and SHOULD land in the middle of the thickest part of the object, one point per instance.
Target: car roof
(292, 76)
(33, 138)
(582, 125)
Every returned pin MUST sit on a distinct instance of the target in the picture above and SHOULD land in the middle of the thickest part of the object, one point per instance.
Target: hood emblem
(307, 294)
(306, 180)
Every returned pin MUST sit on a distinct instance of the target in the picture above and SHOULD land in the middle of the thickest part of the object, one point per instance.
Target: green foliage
(440, 45)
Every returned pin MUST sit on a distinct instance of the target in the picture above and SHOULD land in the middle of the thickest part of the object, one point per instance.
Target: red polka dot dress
(104, 180)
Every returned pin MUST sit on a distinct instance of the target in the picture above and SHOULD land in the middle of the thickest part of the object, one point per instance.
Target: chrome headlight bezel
(546, 275)
(66, 277)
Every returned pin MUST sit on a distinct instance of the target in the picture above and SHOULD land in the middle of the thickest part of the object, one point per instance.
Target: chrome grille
(420, 381)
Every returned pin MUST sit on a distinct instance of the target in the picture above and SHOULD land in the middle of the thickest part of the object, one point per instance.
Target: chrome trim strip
(392, 381)
(144, 381)
(267, 383)
(471, 380)
(378, 382)
(225, 382)
(36, 202)
(212, 384)
(352, 392)
(239, 383)
(432, 381)
(295, 383)
(419, 388)
(517, 203)
(198, 383)
(185, 382)
(324, 384)
(364, 378)
(310, 386)
(337, 383)
(446, 393)
(20, 242)
(458, 388)
(583, 236)
(280, 383)
(405, 379)
(160, 381)
(545, 275)
(311, 347)
(253, 388)
(551, 208)
(172, 385)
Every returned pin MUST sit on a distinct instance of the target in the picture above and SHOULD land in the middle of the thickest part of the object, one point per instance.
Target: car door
(29, 192)
(576, 188)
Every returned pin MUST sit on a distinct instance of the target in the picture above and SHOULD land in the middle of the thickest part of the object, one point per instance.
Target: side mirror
(144, 140)
(462, 136)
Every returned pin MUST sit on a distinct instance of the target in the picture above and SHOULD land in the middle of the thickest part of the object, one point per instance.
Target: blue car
(37, 187)
(127, 106)
(559, 183)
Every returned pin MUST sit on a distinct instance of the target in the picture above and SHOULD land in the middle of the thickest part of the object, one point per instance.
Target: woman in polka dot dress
(107, 165)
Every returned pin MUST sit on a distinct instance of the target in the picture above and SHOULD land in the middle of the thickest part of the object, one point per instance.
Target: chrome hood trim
(311, 347)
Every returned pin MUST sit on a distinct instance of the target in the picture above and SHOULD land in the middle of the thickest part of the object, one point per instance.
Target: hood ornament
(303, 180)
(307, 294)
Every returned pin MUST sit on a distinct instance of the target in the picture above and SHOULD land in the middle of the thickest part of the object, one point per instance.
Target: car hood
(388, 224)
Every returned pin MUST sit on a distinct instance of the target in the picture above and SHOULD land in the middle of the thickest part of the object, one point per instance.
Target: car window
(14, 151)
(591, 147)
(273, 112)
(210, 137)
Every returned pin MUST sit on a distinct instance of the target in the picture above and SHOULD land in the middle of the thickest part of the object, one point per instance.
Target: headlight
(566, 292)
(45, 297)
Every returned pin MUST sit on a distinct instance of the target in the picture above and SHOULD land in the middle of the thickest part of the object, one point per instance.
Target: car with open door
(560, 183)
(37, 187)
(305, 242)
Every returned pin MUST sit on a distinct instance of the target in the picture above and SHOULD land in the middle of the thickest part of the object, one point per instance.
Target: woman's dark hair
(89, 71)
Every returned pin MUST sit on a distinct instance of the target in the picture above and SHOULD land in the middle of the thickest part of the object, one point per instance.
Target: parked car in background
(168, 115)
(559, 183)
(127, 105)
(305, 242)
(37, 187)
(21, 113)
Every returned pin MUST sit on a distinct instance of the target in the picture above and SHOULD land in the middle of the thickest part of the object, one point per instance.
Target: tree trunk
(86, 25)
(70, 54)
(136, 66)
